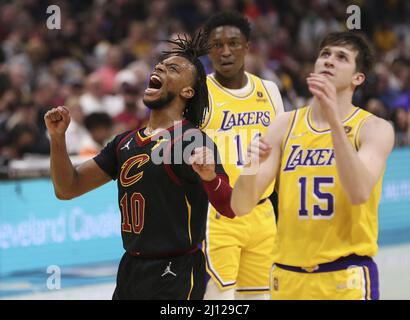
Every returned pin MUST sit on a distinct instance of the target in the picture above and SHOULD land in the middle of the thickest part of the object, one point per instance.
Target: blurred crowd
(98, 63)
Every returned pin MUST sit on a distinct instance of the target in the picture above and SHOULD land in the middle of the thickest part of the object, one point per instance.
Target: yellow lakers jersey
(317, 223)
(235, 119)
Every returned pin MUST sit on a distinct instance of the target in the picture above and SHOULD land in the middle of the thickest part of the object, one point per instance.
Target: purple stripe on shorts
(344, 263)
(374, 280)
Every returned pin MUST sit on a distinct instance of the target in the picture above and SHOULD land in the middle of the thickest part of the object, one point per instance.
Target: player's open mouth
(154, 85)
(327, 73)
(226, 64)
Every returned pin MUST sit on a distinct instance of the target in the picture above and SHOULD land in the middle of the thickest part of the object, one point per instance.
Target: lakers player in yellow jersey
(238, 251)
(329, 159)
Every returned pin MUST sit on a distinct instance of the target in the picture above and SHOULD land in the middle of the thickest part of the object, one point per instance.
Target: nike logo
(220, 104)
(294, 136)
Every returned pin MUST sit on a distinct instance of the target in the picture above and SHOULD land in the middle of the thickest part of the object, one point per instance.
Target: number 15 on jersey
(324, 204)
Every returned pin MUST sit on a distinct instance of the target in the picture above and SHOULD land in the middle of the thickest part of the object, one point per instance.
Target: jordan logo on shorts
(127, 145)
(168, 270)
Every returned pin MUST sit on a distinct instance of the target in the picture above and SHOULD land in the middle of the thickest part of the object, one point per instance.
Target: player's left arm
(376, 142)
(359, 170)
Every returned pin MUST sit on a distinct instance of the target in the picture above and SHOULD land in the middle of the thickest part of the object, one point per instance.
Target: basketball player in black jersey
(163, 194)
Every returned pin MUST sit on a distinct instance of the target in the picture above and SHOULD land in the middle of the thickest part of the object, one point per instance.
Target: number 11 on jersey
(240, 161)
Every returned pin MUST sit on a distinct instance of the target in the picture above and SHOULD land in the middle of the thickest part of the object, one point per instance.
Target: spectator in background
(26, 115)
(99, 37)
(99, 125)
(112, 64)
(401, 122)
(33, 60)
(384, 38)
(377, 108)
(94, 99)
(77, 135)
(138, 41)
(20, 141)
(135, 114)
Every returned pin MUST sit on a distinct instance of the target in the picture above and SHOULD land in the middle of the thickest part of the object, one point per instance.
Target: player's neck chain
(149, 131)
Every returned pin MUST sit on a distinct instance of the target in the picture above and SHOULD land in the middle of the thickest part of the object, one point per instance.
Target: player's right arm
(69, 182)
(266, 154)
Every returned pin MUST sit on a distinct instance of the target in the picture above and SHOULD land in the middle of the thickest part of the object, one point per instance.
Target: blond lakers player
(329, 159)
(238, 251)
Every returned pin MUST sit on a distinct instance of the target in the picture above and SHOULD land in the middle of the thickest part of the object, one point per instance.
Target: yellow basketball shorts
(239, 251)
(348, 278)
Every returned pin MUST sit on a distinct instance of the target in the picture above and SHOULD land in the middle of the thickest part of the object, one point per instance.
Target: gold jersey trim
(321, 131)
(189, 219)
(192, 284)
(210, 112)
(357, 133)
(291, 126)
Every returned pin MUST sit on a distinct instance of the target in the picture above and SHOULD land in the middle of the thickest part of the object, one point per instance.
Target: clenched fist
(203, 163)
(258, 151)
(57, 121)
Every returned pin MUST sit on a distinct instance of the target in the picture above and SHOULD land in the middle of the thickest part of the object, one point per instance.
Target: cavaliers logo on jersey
(125, 178)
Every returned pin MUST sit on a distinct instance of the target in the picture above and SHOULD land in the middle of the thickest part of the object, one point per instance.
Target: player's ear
(358, 78)
(187, 92)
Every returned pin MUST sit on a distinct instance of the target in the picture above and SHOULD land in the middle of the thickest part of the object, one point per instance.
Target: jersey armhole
(269, 96)
(357, 133)
(291, 125)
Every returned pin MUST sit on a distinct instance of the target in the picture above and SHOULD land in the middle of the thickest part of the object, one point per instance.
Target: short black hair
(191, 49)
(228, 18)
(96, 120)
(357, 42)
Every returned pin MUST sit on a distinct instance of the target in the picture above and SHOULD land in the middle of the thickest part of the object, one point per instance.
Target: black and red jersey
(163, 204)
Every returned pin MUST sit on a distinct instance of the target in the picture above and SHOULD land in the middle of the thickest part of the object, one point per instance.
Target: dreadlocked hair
(191, 49)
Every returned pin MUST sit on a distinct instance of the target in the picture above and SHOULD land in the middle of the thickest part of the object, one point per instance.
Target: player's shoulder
(273, 91)
(188, 126)
(377, 131)
(376, 125)
(266, 82)
(372, 122)
(189, 130)
(121, 136)
(210, 77)
(281, 124)
(121, 139)
(124, 134)
(193, 137)
(283, 119)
